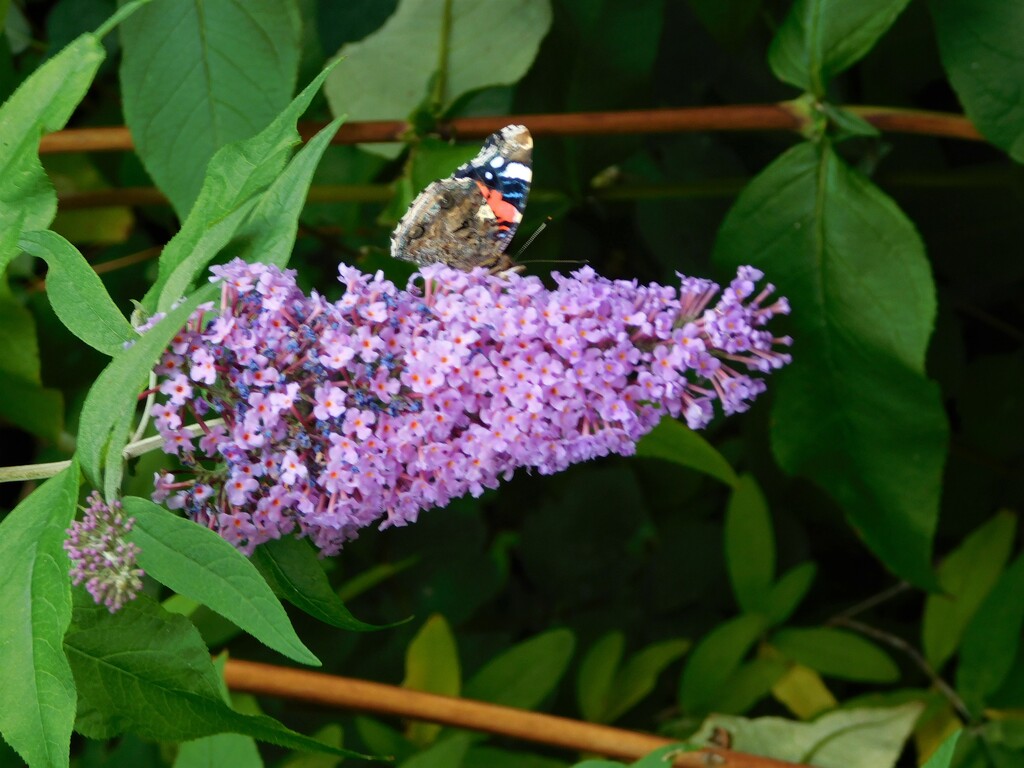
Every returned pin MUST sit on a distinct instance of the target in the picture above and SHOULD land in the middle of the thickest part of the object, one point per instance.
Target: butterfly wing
(468, 219)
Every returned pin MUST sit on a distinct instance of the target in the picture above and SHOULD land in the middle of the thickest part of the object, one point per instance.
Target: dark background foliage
(644, 546)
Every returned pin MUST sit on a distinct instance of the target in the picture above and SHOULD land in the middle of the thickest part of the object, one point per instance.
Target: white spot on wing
(518, 171)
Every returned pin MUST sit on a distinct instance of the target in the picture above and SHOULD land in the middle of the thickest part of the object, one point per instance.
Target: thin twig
(870, 602)
(360, 695)
(742, 117)
(914, 655)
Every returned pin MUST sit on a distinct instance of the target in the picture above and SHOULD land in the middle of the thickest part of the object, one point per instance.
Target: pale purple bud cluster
(101, 556)
(323, 417)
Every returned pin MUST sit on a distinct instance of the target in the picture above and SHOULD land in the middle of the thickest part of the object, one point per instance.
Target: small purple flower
(388, 402)
(101, 556)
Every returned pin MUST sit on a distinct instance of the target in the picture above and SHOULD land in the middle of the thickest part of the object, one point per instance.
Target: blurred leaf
(433, 159)
(850, 738)
(803, 692)
(245, 62)
(943, 756)
(37, 699)
(147, 671)
(101, 225)
(220, 749)
(837, 653)
(384, 739)
(932, 733)
(447, 753)
(966, 577)
(854, 411)
(526, 674)
(237, 176)
(196, 562)
(77, 294)
(596, 674)
(432, 665)
(748, 685)
(268, 235)
(713, 661)
(980, 49)
(992, 639)
(659, 757)
(492, 757)
(788, 592)
(640, 675)
(673, 441)
(293, 570)
(820, 38)
(330, 734)
(749, 545)
(387, 75)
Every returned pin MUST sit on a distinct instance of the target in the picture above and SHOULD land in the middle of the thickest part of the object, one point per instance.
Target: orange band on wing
(504, 211)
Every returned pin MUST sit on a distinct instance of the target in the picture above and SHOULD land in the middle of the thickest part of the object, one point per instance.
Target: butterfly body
(468, 219)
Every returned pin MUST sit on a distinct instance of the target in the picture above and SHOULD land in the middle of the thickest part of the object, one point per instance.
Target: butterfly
(468, 219)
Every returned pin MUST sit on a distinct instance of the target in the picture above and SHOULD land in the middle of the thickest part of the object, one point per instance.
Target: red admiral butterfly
(468, 219)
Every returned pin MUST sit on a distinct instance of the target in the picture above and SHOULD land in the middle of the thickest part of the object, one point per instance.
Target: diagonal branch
(360, 695)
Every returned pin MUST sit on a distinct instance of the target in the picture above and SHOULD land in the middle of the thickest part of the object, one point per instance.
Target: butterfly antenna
(532, 238)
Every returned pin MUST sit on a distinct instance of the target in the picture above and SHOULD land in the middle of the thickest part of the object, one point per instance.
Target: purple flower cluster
(101, 557)
(324, 417)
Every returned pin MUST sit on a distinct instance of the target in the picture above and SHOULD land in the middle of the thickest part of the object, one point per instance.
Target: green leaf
(837, 653)
(714, 660)
(854, 411)
(147, 671)
(238, 174)
(639, 676)
(292, 569)
(220, 749)
(268, 235)
(848, 738)
(198, 76)
(384, 739)
(77, 293)
(102, 421)
(788, 592)
(388, 74)
(432, 665)
(492, 757)
(818, 39)
(749, 545)
(966, 577)
(943, 756)
(448, 753)
(675, 442)
(992, 638)
(331, 735)
(43, 103)
(979, 45)
(748, 685)
(37, 698)
(526, 674)
(596, 675)
(196, 562)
